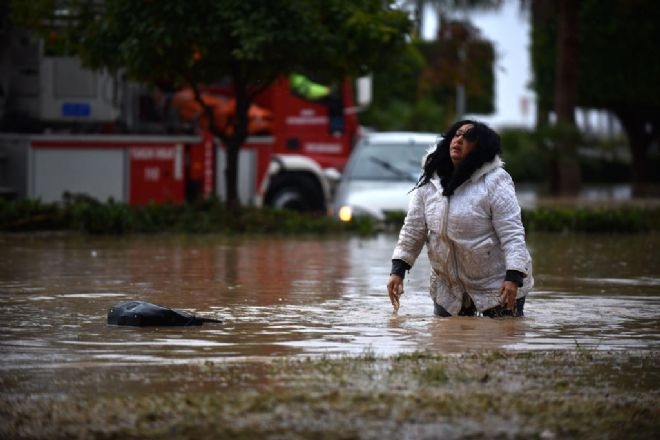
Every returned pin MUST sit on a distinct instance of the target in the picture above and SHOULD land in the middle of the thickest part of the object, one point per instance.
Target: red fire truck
(68, 129)
(299, 143)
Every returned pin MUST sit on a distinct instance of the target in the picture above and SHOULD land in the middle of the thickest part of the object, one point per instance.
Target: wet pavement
(302, 297)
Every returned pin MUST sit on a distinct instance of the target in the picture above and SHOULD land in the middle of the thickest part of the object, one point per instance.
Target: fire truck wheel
(290, 198)
(297, 193)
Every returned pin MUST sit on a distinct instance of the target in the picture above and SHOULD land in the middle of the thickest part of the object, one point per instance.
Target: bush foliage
(601, 219)
(84, 214)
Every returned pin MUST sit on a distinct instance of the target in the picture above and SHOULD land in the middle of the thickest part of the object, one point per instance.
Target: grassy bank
(79, 213)
(543, 395)
(597, 219)
(621, 219)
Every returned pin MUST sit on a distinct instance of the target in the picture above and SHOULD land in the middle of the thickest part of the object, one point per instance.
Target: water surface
(302, 297)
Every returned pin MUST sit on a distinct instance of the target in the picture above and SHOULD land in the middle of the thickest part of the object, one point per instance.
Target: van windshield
(401, 162)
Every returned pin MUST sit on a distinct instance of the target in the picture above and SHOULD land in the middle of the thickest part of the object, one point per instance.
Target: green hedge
(80, 213)
(589, 220)
(616, 220)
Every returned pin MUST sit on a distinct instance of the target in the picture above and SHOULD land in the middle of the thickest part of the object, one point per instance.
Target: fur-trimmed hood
(469, 170)
(497, 162)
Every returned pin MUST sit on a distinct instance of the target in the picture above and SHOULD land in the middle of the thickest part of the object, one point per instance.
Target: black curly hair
(439, 162)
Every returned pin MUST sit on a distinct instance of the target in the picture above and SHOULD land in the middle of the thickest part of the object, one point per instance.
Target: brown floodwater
(302, 297)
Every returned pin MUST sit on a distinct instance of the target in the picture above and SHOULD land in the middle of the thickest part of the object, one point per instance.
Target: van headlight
(345, 213)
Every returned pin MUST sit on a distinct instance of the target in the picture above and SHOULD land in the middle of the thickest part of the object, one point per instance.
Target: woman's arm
(507, 222)
(413, 232)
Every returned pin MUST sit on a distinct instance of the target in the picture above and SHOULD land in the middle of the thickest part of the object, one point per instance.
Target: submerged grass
(556, 394)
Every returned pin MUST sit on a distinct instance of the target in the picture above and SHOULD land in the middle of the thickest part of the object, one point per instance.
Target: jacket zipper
(452, 251)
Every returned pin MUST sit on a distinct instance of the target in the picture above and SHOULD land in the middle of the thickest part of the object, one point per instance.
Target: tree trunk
(231, 174)
(642, 127)
(567, 165)
(542, 12)
(234, 142)
(419, 18)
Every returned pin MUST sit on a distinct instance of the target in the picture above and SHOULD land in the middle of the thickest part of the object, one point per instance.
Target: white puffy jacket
(472, 238)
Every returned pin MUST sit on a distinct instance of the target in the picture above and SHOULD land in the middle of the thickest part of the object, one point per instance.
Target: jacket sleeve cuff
(515, 276)
(399, 267)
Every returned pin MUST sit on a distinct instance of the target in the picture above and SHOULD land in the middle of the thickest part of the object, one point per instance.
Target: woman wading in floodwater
(464, 208)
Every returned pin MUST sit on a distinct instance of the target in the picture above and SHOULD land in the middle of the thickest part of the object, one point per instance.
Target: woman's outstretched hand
(508, 293)
(395, 290)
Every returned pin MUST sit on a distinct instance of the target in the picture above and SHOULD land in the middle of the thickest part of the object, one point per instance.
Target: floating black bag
(143, 314)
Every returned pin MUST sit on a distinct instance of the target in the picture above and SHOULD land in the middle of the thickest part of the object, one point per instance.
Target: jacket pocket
(433, 222)
(434, 211)
(484, 247)
(481, 261)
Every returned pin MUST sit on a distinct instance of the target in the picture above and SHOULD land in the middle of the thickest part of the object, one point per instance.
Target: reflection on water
(302, 296)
